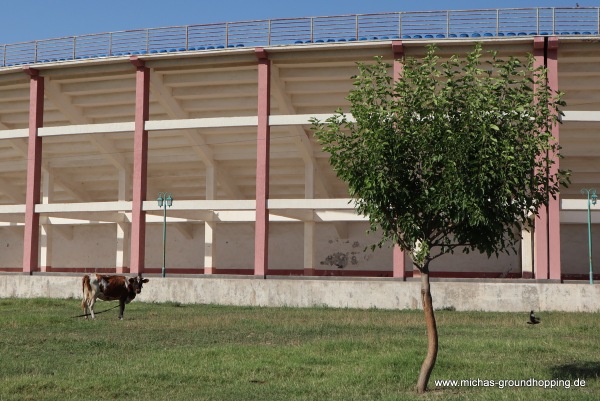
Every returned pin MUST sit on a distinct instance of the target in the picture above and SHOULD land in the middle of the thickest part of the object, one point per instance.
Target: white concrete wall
(11, 246)
(87, 246)
(574, 248)
(300, 292)
(182, 252)
(94, 246)
(235, 246)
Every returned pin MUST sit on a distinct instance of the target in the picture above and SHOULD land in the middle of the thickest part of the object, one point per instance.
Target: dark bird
(577, 5)
(533, 319)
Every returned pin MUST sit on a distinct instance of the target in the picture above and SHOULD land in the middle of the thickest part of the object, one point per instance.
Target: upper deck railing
(398, 25)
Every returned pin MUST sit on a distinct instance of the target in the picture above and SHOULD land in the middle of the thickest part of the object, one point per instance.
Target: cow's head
(135, 283)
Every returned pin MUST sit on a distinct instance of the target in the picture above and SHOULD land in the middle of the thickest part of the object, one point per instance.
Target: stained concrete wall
(501, 296)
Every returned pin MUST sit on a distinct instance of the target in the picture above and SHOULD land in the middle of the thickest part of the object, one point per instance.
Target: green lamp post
(164, 199)
(591, 200)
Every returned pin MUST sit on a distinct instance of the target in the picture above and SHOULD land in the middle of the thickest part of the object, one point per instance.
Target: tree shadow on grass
(577, 370)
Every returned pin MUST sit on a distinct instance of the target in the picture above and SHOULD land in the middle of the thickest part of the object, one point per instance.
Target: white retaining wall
(505, 296)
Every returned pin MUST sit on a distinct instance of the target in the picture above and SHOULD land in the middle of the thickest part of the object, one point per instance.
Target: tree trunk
(432, 335)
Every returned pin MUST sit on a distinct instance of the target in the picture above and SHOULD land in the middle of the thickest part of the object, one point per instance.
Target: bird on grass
(533, 319)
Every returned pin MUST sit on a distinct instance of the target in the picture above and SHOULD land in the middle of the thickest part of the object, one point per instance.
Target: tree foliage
(455, 153)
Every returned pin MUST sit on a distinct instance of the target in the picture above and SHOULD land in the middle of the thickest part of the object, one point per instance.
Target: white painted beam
(90, 217)
(9, 209)
(338, 215)
(581, 116)
(204, 205)
(577, 204)
(294, 214)
(84, 129)
(335, 203)
(212, 122)
(55, 221)
(14, 133)
(83, 207)
(301, 119)
(175, 124)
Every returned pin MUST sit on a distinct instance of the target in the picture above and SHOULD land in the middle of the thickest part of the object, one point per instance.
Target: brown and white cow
(110, 288)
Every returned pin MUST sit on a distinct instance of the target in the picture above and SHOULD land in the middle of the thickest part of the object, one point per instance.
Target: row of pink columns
(261, 233)
(547, 225)
(34, 168)
(547, 232)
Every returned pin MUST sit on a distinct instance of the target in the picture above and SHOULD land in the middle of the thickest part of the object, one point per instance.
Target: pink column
(140, 166)
(34, 171)
(540, 253)
(554, 204)
(261, 230)
(398, 266)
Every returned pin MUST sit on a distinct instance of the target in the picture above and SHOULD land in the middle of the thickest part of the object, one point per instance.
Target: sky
(22, 21)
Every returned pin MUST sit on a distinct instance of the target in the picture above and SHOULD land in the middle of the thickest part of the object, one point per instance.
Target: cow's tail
(87, 289)
(86, 284)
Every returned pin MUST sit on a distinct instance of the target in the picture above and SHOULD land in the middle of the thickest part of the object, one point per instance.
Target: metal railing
(343, 28)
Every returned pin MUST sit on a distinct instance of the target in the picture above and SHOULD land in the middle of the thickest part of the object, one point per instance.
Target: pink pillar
(398, 266)
(541, 245)
(34, 171)
(261, 230)
(554, 204)
(140, 166)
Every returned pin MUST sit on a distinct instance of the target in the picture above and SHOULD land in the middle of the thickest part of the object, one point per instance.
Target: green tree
(453, 155)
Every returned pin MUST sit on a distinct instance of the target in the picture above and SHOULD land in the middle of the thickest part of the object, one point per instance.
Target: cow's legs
(87, 305)
(91, 303)
(84, 306)
(121, 308)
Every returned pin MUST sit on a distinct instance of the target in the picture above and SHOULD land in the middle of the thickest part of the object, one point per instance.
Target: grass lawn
(205, 352)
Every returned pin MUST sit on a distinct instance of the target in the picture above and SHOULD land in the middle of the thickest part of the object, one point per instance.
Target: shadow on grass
(578, 370)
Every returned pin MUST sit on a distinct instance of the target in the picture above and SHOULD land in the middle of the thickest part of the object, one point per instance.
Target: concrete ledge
(506, 296)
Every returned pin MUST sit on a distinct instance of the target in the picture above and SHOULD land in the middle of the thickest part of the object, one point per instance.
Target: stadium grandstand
(94, 128)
